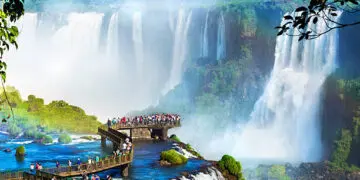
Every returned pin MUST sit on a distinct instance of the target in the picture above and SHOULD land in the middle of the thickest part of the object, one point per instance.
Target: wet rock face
(305, 171)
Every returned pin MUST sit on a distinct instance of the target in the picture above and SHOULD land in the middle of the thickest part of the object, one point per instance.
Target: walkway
(122, 162)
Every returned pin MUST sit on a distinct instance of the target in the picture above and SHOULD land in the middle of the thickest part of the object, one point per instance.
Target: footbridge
(145, 131)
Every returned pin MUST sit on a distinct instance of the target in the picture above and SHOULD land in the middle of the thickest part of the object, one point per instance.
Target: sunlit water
(144, 166)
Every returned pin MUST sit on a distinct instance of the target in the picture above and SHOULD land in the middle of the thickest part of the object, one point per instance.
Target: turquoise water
(144, 166)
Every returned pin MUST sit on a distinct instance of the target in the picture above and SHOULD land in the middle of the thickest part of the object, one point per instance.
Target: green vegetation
(36, 119)
(175, 138)
(347, 144)
(187, 147)
(47, 139)
(65, 139)
(20, 151)
(173, 157)
(278, 172)
(228, 165)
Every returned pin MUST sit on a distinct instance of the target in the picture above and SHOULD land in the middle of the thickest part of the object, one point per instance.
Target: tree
(299, 23)
(11, 11)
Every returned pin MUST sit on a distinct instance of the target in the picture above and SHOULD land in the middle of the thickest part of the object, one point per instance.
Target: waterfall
(221, 47)
(284, 123)
(60, 56)
(179, 49)
(205, 43)
(113, 37)
(138, 42)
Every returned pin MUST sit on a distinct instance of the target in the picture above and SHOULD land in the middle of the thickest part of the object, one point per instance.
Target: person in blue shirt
(78, 163)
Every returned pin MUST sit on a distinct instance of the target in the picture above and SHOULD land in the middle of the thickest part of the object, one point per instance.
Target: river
(144, 166)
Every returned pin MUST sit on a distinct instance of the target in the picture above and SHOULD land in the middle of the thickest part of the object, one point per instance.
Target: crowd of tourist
(153, 119)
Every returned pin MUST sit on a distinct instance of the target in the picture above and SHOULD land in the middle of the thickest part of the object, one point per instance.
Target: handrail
(110, 135)
(120, 125)
(103, 164)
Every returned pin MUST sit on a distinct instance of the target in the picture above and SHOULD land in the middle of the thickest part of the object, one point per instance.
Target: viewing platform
(141, 130)
(122, 162)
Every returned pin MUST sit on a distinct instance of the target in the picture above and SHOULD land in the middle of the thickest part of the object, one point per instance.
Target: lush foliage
(20, 151)
(173, 157)
(11, 11)
(228, 163)
(278, 172)
(65, 139)
(346, 145)
(175, 138)
(35, 119)
(47, 139)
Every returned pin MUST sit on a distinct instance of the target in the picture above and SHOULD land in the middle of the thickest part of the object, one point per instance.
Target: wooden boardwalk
(122, 162)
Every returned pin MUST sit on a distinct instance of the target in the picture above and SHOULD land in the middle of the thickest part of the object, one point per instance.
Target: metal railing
(18, 174)
(144, 124)
(114, 138)
(103, 164)
(106, 163)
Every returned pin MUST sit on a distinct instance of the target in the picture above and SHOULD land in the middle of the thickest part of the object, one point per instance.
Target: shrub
(228, 163)
(65, 139)
(342, 149)
(47, 139)
(173, 157)
(278, 172)
(175, 138)
(20, 151)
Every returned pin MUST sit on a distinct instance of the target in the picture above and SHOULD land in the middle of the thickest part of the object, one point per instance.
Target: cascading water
(284, 123)
(68, 59)
(221, 47)
(179, 49)
(205, 43)
(138, 42)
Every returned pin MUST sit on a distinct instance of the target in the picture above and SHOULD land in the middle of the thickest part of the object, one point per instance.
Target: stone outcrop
(141, 133)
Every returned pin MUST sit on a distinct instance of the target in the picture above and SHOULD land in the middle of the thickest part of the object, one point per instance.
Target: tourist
(97, 177)
(69, 164)
(57, 166)
(32, 167)
(78, 164)
(84, 176)
(118, 152)
(37, 166)
(40, 167)
(97, 159)
(89, 163)
(129, 147)
(109, 123)
(124, 146)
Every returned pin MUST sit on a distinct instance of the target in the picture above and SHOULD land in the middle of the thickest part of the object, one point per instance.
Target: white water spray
(221, 47)
(138, 42)
(284, 123)
(205, 43)
(179, 49)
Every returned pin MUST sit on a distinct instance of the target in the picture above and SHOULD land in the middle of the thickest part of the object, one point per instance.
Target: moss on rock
(65, 139)
(175, 138)
(20, 151)
(228, 165)
(47, 139)
(173, 157)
